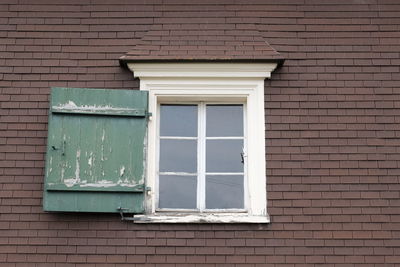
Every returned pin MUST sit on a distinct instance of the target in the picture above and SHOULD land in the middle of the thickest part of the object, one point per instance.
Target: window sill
(201, 218)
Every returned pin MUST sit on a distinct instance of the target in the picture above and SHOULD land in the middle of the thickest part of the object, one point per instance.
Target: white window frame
(219, 82)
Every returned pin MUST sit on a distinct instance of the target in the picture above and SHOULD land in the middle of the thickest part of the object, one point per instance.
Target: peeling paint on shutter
(96, 150)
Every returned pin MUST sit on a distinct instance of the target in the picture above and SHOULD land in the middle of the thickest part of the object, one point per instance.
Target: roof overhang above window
(202, 69)
(202, 43)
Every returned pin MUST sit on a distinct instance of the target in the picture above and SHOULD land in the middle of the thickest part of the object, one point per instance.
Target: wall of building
(333, 133)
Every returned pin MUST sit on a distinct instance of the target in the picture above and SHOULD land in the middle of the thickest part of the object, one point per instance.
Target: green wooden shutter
(96, 150)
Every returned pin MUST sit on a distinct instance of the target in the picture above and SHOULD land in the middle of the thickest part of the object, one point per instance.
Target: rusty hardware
(62, 148)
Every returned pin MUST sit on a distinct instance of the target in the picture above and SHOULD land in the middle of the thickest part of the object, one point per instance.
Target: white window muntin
(201, 156)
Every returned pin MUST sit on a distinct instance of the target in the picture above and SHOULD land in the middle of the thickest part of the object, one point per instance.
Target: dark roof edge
(124, 62)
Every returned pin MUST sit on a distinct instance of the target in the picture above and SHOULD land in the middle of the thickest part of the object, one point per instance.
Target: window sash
(201, 157)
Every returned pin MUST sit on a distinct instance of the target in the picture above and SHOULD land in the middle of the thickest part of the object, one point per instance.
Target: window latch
(242, 156)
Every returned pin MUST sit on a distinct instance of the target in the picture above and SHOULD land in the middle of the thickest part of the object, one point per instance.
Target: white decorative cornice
(202, 70)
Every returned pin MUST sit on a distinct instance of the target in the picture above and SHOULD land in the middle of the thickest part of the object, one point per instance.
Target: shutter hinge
(123, 218)
(149, 115)
(148, 190)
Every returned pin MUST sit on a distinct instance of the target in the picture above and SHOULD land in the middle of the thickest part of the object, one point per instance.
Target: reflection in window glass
(178, 155)
(177, 192)
(224, 156)
(224, 192)
(224, 120)
(178, 120)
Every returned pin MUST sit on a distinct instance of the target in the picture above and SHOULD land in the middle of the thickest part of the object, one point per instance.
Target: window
(201, 157)
(186, 179)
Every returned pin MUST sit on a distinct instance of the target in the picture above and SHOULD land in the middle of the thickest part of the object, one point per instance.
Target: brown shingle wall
(333, 134)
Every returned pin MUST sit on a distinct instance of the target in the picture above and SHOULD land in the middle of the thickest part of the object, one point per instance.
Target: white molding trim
(205, 82)
(204, 70)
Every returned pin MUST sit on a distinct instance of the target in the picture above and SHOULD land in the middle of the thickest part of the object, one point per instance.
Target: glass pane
(224, 120)
(177, 192)
(178, 156)
(178, 120)
(224, 192)
(224, 156)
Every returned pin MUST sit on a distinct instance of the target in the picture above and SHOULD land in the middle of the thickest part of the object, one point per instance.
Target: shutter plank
(65, 201)
(87, 146)
(70, 172)
(105, 110)
(96, 187)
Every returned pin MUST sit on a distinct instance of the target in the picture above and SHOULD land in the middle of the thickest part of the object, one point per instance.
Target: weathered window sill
(201, 218)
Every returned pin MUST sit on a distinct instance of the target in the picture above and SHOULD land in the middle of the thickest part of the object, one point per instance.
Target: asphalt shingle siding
(202, 41)
(332, 126)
